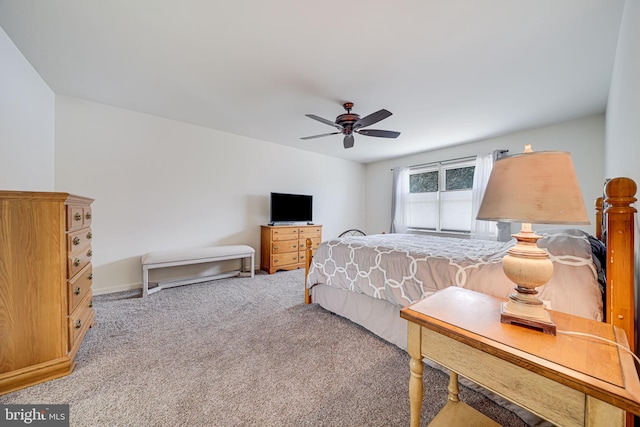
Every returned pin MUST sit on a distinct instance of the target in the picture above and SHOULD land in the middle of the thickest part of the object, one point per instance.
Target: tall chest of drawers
(284, 247)
(45, 285)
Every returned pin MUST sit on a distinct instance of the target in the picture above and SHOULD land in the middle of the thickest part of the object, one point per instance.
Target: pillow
(565, 242)
(558, 244)
(559, 230)
(598, 249)
(599, 252)
(576, 276)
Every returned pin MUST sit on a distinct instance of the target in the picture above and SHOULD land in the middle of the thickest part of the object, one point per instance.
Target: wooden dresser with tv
(283, 247)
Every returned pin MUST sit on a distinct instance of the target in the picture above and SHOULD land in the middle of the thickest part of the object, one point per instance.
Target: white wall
(623, 108)
(583, 138)
(623, 118)
(26, 123)
(160, 184)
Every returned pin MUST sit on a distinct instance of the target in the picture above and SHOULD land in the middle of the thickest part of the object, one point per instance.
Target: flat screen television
(291, 208)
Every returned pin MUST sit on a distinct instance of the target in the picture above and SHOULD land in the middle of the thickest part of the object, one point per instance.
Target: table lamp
(539, 188)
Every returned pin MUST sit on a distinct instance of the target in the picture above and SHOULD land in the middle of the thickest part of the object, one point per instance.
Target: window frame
(442, 169)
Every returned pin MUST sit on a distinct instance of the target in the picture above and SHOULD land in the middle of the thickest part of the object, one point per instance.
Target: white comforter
(404, 268)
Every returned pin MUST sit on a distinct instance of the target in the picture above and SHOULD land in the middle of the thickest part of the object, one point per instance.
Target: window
(440, 197)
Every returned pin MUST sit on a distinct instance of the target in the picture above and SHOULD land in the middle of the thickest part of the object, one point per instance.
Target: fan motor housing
(346, 121)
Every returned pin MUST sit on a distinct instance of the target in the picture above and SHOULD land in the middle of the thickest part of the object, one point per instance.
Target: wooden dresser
(45, 285)
(284, 247)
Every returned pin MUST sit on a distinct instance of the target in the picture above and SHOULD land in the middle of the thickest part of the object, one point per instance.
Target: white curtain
(485, 230)
(400, 214)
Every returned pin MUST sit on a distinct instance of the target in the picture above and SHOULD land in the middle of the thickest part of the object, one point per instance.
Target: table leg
(416, 388)
(453, 388)
(599, 413)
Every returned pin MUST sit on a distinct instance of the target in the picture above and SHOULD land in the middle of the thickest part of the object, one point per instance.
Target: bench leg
(247, 270)
(145, 281)
(251, 266)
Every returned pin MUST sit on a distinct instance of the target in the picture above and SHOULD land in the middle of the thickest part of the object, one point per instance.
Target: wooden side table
(569, 380)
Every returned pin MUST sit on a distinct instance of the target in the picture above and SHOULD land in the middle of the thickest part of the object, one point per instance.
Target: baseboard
(117, 288)
(35, 374)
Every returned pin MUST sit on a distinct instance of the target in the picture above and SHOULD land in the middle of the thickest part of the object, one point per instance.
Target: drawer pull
(293, 246)
(76, 241)
(77, 290)
(88, 215)
(275, 261)
(89, 252)
(275, 248)
(78, 324)
(91, 276)
(77, 217)
(295, 257)
(89, 235)
(91, 304)
(76, 262)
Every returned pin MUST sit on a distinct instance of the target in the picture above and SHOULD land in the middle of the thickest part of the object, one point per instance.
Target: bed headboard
(615, 220)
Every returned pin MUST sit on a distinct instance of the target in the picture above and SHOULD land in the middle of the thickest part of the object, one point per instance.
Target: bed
(368, 279)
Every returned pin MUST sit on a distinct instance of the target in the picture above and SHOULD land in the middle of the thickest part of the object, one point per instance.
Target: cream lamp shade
(539, 188)
(535, 187)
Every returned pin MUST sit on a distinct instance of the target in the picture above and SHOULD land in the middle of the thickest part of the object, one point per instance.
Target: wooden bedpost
(619, 195)
(307, 266)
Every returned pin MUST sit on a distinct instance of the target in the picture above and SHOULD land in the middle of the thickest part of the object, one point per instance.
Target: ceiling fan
(349, 123)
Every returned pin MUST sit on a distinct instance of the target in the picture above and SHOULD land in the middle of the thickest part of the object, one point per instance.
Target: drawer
(284, 259)
(86, 216)
(77, 260)
(302, 256)
(77, 239)
(78, 217)
(80, 320)
(284, 233)
(79, 286)
(74, 217)
(315, 243)
(284, 246)
(310, 232)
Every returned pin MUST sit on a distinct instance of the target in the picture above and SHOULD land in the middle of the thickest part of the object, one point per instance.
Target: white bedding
(404, 268)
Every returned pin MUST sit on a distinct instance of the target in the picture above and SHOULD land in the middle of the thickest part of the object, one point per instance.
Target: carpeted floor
(238, 352)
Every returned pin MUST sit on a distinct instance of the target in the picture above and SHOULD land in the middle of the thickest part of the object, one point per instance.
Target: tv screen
(291, 207)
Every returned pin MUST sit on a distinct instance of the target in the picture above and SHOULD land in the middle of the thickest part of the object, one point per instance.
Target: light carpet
(238, 352)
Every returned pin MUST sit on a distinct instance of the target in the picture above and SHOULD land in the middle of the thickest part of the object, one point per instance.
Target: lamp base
(539, 318)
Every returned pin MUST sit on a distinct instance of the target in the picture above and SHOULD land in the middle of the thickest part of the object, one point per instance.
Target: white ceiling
(450, 71)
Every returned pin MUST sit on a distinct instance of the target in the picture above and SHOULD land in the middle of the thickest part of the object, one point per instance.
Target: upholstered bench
(165, 259)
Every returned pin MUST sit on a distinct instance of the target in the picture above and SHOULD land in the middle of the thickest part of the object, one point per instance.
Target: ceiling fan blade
(379, 133)
(372, 118)
(348, 141)
(325, 121)
(320, 136)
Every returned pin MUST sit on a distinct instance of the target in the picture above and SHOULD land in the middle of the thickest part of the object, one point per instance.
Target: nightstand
(569, 380)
